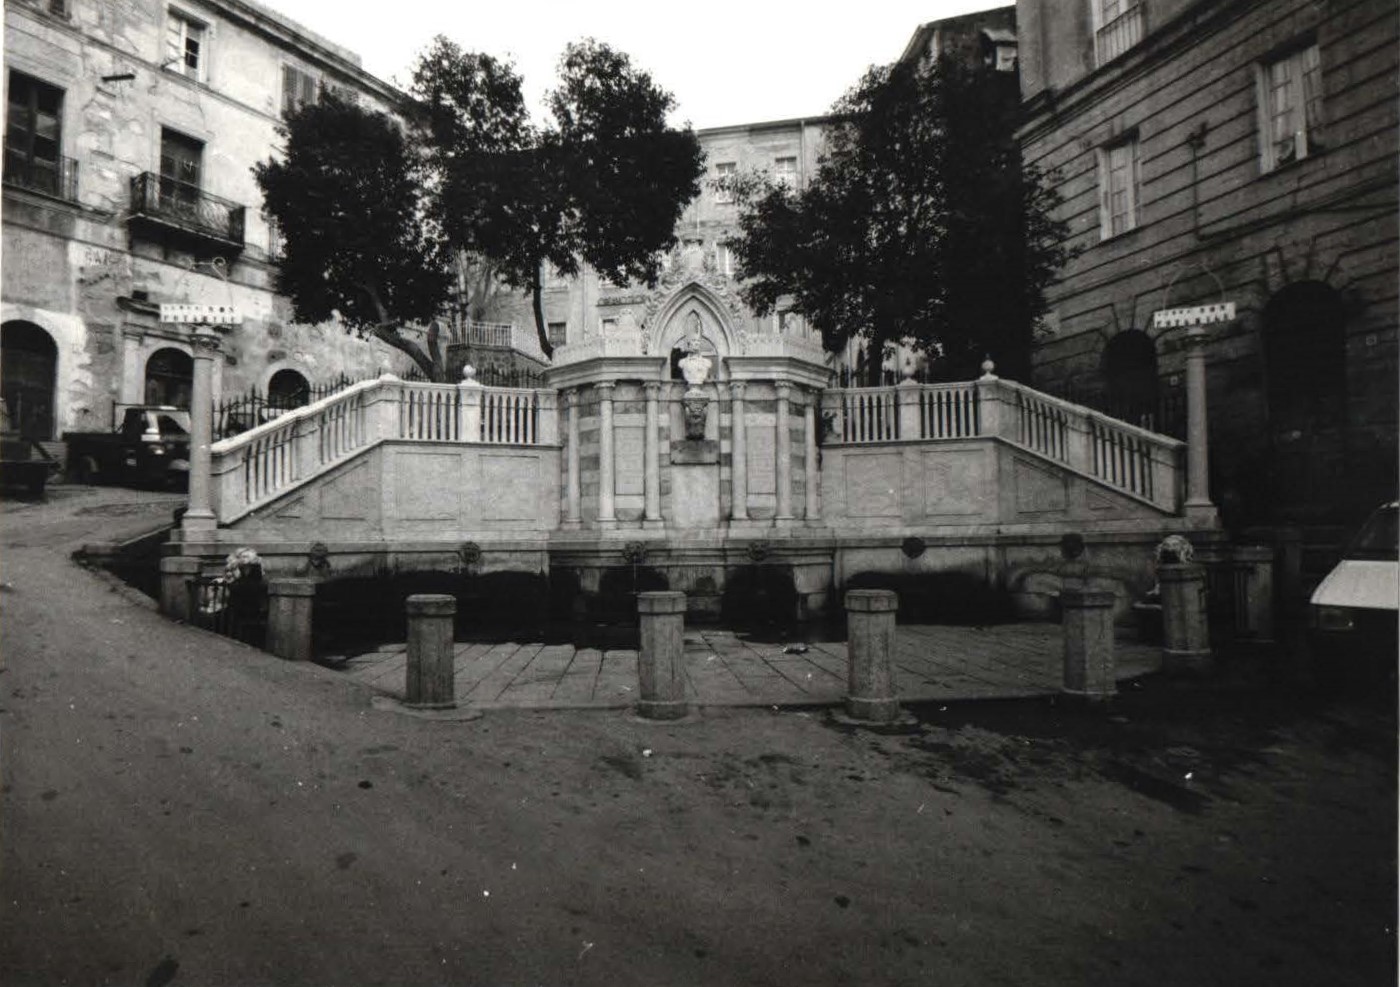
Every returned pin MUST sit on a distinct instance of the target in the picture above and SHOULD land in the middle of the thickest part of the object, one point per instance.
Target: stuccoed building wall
(1245, 151)
(122, 87)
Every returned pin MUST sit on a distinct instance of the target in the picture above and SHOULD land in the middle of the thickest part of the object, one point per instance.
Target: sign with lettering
(1196, 315)
(205, 315)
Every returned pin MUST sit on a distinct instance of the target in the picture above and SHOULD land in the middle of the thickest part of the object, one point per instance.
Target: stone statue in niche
(695, 367)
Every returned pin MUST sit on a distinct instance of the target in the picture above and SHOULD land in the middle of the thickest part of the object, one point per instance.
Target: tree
(921, 224)
(348, 199)
(604, 185)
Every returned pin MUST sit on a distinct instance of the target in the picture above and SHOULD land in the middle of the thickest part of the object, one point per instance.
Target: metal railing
(241, 412)
(187, 206)
(58, 178)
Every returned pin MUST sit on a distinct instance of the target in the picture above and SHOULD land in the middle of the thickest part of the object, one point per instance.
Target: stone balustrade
(258, 466)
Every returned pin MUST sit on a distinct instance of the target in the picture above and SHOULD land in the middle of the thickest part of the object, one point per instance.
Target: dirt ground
(177, 808)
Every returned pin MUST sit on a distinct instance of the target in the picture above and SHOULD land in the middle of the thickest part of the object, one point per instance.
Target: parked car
(1353, 613)
(149, 447)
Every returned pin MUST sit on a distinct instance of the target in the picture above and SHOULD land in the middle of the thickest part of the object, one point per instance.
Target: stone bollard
(660, 671)
(430, 683)
(289, 600)
(1185, 628)
(176, 573)
(870, 617)
(1254, 592)
(1087, 620)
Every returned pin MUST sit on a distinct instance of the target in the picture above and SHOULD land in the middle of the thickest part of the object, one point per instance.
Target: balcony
(55, 178)
(1119, 34)
(184, 211)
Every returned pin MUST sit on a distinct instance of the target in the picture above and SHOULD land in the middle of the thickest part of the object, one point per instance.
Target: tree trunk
(541, 330)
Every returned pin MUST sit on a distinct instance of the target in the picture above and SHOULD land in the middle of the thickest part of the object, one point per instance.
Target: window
(1290, 107)
(785, 172)
(724, 259)
(1117, 27)
(1118, 188)
(184, 46)
(557, 333)
(180, 158)
(33, 134)
(298, 89)
(725, 173)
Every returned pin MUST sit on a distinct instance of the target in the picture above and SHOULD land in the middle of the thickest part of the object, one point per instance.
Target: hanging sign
(207, 315)
(1196, 315)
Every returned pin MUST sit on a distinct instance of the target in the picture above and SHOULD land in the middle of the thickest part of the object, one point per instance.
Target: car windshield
(174, 424)
(1379, 537)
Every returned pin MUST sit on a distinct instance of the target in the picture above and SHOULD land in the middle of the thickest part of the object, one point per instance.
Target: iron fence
(241, 412)
(187, 206)
(233, 609)
(57, 177)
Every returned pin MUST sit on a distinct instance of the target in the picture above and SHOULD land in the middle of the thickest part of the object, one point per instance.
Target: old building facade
(131, 130)
(1209, 151)
(788, 151)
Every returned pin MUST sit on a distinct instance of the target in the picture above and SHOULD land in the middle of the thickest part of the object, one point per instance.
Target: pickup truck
(149, 446)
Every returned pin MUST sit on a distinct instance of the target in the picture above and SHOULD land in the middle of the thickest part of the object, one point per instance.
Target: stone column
(430, 680)
(738, 455)
(811, 474)
(1087, 622)
(176, 571)
(1185, 629)
(1198, 504)
(870, 619)
(289, 604)
(783, 447)
(652, 516)
(573, 516)
(200, 517)
(660, 666)
(607, 482)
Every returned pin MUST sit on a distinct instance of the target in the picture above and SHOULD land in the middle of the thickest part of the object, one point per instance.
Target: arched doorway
(169, 377)
(288, 389)
(1306, 393)
(28, 378)
(1130, 372)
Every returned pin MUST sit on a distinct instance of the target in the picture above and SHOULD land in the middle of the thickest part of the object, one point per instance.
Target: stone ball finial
(469, 375)
(988, 368)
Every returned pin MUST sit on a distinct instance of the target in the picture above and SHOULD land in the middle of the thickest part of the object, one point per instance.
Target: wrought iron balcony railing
(57, 178)
(179, 205)
(1119, 34)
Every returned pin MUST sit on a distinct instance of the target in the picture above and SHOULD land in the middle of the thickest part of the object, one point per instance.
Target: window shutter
(289, 90)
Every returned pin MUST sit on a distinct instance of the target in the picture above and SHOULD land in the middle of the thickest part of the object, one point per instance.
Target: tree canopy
(604, 184)
(349, 203)
(920, 225)
(377, 215)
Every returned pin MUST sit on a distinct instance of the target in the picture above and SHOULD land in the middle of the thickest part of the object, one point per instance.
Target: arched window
(288, 389)
(1130, 373)
(28, 378)
(169, 378)
(1305, 359)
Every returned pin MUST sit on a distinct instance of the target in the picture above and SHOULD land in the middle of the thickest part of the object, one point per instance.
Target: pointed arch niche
(695, 310)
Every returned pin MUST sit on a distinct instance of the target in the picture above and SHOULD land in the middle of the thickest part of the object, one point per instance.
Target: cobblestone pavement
(722, 669)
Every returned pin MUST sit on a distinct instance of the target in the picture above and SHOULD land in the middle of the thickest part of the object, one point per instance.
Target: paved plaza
(933, 663)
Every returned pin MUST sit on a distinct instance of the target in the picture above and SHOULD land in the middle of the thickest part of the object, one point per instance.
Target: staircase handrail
(1092, 414)
(296, 414)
